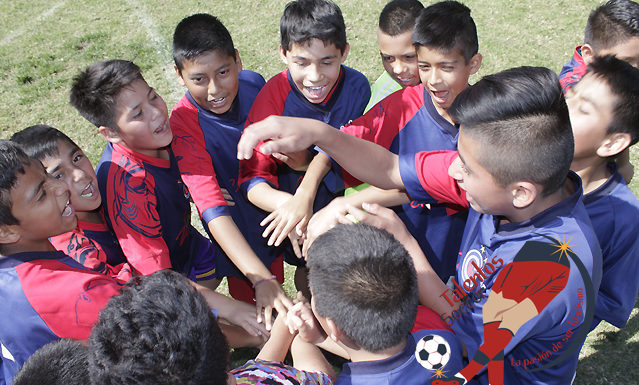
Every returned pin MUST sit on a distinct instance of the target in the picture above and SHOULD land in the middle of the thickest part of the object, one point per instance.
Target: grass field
(44, 43)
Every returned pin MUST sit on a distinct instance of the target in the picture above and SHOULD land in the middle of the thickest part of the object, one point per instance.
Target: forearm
(266, 197)
(317, 169)
(372, 194)
(279, 342)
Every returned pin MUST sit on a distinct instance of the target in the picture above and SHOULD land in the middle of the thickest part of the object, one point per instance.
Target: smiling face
(142, 120)
(399, 57)
(212, 79)
(314, 67)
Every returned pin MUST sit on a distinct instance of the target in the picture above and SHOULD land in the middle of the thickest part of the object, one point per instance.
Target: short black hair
(398, 16)
(41, 141)
(623, 81)
(445, 26)
(520, 118)
(364, 280)
(13, 159)
(304, 20)
(61, 362)
(612, 23)
(95, 90)
(158, 331)
(198, 34)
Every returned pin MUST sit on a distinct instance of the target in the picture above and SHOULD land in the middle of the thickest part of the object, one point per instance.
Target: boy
(135, 340)
(364, 300)
(515, 149)
(315, 85)
(605, 121)
(207, 123)
(394, 37)
(91, 243)
(62, 362)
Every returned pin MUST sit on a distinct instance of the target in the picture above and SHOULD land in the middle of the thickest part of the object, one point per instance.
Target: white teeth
(87, 192)
(67, 210)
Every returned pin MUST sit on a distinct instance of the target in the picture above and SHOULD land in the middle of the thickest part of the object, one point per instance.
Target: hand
(227, 197)
(298, 160)
(243, 315)
(268, 296)
(378, 216)
(287, 135)
(322, 221)
(300, 318)
(292, 215)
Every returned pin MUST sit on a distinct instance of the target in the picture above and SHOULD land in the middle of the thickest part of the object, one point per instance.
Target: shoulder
(250, 78)
(354, 78)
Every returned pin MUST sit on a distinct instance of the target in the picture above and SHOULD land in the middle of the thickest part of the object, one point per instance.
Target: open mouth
(217, 102)
(440, 96)
(88, 191)
(406, 81)
(316, 92)
(162, 128)
(68, 210)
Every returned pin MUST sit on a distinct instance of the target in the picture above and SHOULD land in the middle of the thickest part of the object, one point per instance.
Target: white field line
(13, 34)
(160, 44)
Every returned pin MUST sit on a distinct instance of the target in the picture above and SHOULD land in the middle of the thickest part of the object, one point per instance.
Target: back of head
(364, 280)
(158, 331)
(12, 162)
(445, 26)
(398, 16)
(41, 141)
(95, 90)
(623, 81)
(304, 20)
(198, 34)
(520, 118)
(62, 362)
(612, 23)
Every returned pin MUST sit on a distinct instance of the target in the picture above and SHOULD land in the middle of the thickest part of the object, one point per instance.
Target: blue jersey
(411, 366)
(613, 210)
(46, 296)
(205, 145)
(147, 205)
(488, 246)
(412, 127)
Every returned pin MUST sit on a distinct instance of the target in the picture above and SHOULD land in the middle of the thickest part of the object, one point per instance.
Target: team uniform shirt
(405, 123)
(572, 71)
(488, 247)
(95, 247)
(257, 371)
(408, 367)
(205, 145)
(147, 206)
(46, 296)
(613, 210)
(280, 96)
(383, 86)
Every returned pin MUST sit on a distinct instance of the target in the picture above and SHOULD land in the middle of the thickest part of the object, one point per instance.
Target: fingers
(284, 231)
(268, 317)
(295, 245)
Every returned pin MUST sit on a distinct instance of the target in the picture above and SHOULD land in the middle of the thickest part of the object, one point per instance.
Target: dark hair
(198, 34)
(158, 331)
(623, 81)
(61, 362)
(445, 26)
(95, 90)
(520, 118)
(364, 280)
(612, 23)
(398, 16)
(41, 141)
(12, 162)
(304, 20)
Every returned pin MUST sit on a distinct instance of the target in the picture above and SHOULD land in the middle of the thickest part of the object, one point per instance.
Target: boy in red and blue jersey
(207, 124)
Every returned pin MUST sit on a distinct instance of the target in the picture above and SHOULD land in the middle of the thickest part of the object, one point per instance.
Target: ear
(524, 194)
(283, 55)
(9, 234)
(334, 332)
(614, 144)
(238, 61)
(347, 49)
(475, 63)
(179, 76)
(587, 53)
(110, 134)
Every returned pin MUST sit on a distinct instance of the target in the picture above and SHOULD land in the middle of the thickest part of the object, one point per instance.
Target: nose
(78, 174)
(212, 87)
(398, 67)
(314, 74)
(455, 170)
(434, 76)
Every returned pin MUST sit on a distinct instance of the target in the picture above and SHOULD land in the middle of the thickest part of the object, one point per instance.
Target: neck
(21, 247)
(359, 354)
(90, 216)
(592, 174)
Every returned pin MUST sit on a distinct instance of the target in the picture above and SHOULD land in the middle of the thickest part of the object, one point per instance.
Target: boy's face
(72, 167)
(212, 79)
(627, 51)
(399, 57)
(591, 106)
(42, 206)
(445, 74)
(314, 67)
(142, 119)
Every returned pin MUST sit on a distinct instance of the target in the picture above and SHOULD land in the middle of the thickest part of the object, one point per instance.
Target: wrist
(262, 280)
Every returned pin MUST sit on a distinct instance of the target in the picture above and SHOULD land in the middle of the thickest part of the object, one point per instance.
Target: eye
(387, 58)
(448, 68)
(197, 80)
(301, 64)
(57, 176)
(78, 157)
(424, 67)
(138, 114)
(224, 72)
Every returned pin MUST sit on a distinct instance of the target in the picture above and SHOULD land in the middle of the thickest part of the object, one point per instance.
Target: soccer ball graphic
(432, 352)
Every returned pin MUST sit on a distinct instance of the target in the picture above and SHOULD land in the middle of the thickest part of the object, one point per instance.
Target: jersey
(148, 207)
(46, 296)
(572, 71)
(95, 247)
(613, 210)
(383, 86)
(205, 145)
(416, 126)
(257, 371)
(488, 246)
(280, 96)
(411, 365)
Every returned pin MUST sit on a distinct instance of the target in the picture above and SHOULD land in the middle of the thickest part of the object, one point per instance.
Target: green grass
(44, 43)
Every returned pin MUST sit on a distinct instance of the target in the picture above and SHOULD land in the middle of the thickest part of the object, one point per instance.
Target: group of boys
(497, 256)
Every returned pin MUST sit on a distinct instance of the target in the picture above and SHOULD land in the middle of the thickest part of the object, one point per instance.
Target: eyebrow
(462, 160)
(36, 191)
(297, 57)
(439, 62)
(138, 105)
